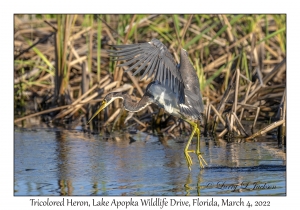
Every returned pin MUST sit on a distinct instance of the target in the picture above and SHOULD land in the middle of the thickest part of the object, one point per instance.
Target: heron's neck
(133, 106)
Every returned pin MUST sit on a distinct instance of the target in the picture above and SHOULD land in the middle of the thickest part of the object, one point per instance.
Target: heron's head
(106, 101)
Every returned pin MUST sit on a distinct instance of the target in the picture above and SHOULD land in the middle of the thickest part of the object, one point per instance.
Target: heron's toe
(202, 162)
(188, 158)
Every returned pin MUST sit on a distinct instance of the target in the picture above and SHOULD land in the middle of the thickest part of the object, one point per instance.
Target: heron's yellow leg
(186, 151)
(200, 158)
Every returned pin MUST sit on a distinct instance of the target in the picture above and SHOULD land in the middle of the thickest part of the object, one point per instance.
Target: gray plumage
(175, 87)
(179, 81)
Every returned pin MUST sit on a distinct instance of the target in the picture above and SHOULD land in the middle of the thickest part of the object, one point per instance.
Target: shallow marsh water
(59, 162)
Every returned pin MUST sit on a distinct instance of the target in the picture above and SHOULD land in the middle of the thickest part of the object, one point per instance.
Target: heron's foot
(188, 158)
(202, 162)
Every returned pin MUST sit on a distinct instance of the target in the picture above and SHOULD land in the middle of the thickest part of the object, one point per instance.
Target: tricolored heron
(175, 88)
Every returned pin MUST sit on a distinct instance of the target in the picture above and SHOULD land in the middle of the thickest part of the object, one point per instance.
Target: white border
(117, 6)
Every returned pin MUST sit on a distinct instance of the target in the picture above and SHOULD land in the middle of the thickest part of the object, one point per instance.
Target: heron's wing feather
(154, 58)
(193, 96)
(194, 101)
(189, 111)
(193, 104)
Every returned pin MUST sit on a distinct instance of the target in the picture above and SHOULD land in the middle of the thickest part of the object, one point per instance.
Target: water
(60, 162)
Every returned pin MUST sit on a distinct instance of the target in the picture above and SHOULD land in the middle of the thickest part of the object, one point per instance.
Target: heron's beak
(103, 105)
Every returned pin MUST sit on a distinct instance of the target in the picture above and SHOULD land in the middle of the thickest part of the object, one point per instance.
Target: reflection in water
(66, 187)
(199, 181)
(198, 185)
(64, 155)
(186, 185)
(62, 151)
(73, 163)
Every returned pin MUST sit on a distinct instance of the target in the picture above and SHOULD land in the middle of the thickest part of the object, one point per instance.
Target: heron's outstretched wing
(154, 58)
(193, 104)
